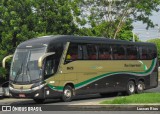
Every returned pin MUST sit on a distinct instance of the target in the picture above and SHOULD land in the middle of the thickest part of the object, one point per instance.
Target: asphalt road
(93, 99)
(79, 101)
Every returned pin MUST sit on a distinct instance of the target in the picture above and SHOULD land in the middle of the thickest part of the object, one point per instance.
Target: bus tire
(140, 87)
(67, 95)
(39, 101)
(130, 88)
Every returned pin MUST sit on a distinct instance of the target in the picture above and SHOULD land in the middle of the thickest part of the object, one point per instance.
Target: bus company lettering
(132, 65)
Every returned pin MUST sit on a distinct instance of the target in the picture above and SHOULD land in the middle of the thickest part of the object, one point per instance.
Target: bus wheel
(130, 88)
(39, 101)
(140, 87)
(67, 94)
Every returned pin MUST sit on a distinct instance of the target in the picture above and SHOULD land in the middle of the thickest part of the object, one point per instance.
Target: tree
(157, 42)
(100, 30)
(117, 12)
(21, 20)
(55, 16)
(15, 26)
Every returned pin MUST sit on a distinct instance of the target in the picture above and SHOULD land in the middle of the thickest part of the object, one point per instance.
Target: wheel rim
(140, 87)
(131, 88)
(67, 93)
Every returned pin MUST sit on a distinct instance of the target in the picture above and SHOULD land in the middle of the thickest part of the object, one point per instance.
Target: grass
(135, 99)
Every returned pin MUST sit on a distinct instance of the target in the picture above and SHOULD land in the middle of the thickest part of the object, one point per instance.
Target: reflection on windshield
(24, 67)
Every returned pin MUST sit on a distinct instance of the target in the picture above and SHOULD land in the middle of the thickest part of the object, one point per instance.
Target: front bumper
(30, 94)
(37, 92)
(40, 92)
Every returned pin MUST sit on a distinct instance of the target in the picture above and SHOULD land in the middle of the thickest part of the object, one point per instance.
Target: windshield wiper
(18, 73)
(28, 72)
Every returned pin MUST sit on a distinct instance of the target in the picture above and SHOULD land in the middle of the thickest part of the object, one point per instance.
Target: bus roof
(49, 40)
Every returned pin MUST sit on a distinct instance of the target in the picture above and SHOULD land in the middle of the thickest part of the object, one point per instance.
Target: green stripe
(56, 88)
(112, 73)
(60, 88)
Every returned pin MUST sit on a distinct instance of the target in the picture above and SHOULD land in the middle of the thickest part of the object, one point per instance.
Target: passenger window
(74, 52)
(57, 48)
(143, 52)
(152, 53)
(49, 66)
(104, 52)
(92, 52)
(118, 52)
(131, 52)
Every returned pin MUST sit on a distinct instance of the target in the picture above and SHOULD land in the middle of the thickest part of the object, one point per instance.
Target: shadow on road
(77, 99)
(59, 101)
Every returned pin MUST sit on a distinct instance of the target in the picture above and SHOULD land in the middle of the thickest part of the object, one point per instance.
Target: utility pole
(158, 31)
(133, 38)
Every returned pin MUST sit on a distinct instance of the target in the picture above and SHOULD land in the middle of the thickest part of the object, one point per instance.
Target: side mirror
(40, 60)
(4, 60)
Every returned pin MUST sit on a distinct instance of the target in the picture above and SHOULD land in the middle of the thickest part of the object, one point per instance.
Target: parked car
(4, 88)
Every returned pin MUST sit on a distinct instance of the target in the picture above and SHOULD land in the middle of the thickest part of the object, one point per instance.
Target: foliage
(157, 42)
(21, 20)
(55, 17)
(117, 12)
(101, 30)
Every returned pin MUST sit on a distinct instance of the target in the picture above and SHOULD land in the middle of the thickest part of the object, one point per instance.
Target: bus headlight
(10, 88)
(36, 95)
(37, 87)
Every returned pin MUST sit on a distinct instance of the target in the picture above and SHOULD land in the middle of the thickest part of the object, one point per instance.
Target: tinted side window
(152, 53)
(104, 52)
(92, 51)
(131, 52)
(57, 48)
(50, 67)
(143, 52)
(74, 52)
(118, 52)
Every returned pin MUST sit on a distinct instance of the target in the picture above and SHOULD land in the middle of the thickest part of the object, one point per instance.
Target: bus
(64, 66)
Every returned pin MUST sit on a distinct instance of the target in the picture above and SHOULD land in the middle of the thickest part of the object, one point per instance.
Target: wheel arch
(70, 84)
(132, 79)
(143, 80)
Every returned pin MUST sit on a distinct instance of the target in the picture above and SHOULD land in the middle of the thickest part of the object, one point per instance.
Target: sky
(151, 33)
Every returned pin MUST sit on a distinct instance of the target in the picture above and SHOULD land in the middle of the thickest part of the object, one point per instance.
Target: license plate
(22, 95)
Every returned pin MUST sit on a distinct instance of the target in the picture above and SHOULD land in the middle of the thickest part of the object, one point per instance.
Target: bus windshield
(24, 68)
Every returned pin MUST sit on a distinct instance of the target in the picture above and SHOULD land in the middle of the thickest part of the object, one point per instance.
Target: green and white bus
(65, 66)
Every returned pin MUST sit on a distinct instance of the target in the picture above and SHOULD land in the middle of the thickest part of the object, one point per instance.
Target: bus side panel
(104, 76)
(154, 78)
(111, 75)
